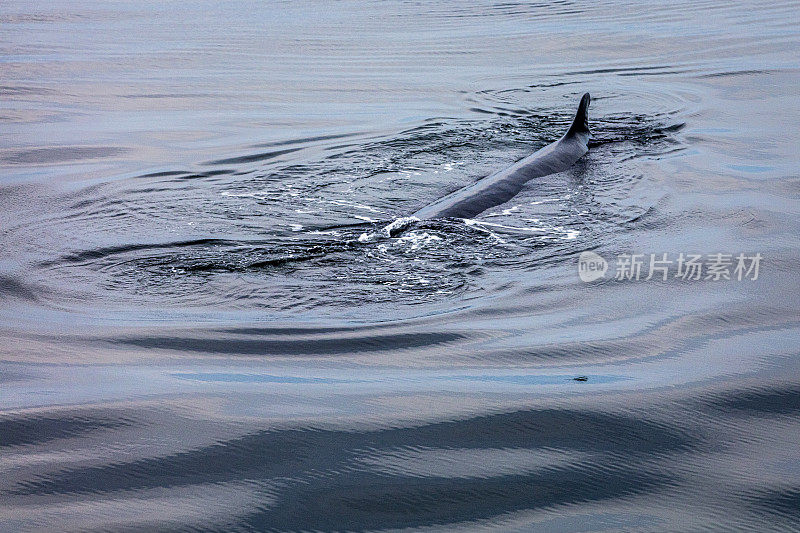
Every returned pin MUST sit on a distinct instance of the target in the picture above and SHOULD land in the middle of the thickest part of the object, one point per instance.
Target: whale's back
(501, 186)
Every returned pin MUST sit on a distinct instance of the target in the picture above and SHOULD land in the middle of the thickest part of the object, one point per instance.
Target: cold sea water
(203, 328)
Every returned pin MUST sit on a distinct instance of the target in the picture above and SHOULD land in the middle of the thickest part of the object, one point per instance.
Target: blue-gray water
(192, 336)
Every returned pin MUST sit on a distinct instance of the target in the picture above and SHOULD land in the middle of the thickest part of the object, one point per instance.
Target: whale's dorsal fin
(581, 122)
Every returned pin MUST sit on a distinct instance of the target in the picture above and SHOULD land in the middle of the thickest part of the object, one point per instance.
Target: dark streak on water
(194, 335)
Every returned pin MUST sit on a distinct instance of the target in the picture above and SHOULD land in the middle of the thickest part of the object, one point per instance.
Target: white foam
(399, 225)
(418, 240)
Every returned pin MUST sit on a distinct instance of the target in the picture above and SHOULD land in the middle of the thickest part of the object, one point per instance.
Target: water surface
(195, 335)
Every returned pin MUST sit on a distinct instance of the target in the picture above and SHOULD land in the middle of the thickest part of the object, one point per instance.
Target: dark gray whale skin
(503, 185)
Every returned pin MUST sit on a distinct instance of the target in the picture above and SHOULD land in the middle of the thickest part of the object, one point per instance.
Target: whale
(501, 186)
